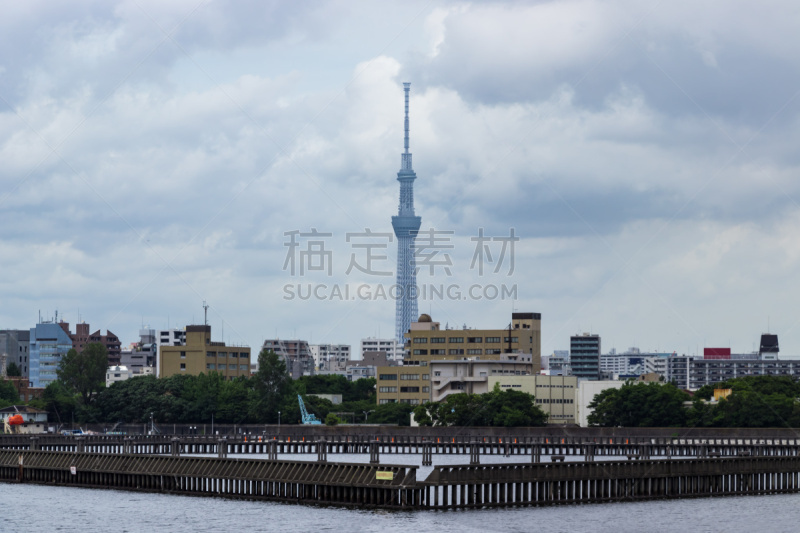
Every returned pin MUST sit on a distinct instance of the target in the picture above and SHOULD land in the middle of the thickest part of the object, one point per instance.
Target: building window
(437, 340)
(409, 389)
(493, 339)
(457, 340)
(474, 351)
(426, 389)
(212, 354)
(222, 354)
(411, 377)
(437, 352)
(211, 366)
(387, 401)
(183, 366)
(420, 352)
(231, 367)
(183, 355)
(244, 368)
(426, 377)
(420, 340)
(474, 340)
(513, 339)
(387, 389)
(456, 351)
(388, 377)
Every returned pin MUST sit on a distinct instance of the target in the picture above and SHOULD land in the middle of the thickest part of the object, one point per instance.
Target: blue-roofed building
(48, 344)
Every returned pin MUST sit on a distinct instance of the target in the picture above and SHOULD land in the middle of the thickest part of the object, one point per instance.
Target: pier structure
(473, 444)
(397, 487)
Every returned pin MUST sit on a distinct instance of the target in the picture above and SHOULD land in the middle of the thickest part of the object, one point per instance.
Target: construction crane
(308, 418)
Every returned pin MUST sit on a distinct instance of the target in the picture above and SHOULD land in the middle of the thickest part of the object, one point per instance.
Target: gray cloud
(645, 159)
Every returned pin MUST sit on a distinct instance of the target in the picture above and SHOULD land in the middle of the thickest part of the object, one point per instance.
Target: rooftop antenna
(205, 313)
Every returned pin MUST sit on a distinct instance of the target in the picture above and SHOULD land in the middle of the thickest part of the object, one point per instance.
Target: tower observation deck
(406, 225)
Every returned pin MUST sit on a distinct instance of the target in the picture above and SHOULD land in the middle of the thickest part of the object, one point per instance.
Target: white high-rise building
(330, 357)
(171, 337)
(393, 349)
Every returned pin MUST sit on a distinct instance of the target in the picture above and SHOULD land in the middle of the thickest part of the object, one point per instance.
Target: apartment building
(295, 353)
(201, 354)
(392, 348)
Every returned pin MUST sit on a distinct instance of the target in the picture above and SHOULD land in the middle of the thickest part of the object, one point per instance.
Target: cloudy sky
(159, 154)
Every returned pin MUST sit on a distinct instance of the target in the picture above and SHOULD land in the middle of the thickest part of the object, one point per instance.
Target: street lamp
(366, 414)
(279, 419)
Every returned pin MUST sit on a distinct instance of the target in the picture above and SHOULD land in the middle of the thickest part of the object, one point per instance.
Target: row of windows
(212, 366)
(553, 400)
(460, 340)
(403, 377)
(226, 354)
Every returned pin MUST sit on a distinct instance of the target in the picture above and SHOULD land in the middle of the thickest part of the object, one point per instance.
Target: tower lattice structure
(406, 225)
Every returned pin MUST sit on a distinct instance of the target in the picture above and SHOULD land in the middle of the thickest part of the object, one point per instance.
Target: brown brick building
(82, 337)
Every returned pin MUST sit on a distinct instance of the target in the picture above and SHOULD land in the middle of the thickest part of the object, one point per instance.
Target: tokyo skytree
(406, 225)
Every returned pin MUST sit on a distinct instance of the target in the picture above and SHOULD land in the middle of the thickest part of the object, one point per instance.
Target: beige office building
(426, 341)
(555, 395)
(200, 354)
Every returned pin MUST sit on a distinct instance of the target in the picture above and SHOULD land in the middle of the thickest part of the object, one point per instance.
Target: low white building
(117, 373)
(471, 376)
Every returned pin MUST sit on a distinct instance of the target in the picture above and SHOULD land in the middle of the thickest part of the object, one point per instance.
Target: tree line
(80, 394)
(507, 408)
(754, 402)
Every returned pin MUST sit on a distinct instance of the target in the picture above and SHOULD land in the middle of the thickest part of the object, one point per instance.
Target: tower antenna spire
(406, 89)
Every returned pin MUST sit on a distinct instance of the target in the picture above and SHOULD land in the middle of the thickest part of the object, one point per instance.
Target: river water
(43, 508)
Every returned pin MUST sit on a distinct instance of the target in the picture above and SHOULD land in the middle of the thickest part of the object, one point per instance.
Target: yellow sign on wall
(384, 475)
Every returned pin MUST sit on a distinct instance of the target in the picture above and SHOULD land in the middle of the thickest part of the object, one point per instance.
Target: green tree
(13, 370)
(398, 414)
(84, 373)
(640, 405)
(272, 388)
(59, 402)
(507, 408)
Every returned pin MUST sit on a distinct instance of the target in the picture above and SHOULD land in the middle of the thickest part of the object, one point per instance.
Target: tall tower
(406, 226)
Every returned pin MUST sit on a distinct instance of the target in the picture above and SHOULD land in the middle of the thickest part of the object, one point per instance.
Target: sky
(634, 159)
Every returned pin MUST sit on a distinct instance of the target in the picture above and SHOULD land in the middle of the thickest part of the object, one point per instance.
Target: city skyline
(158, 156)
